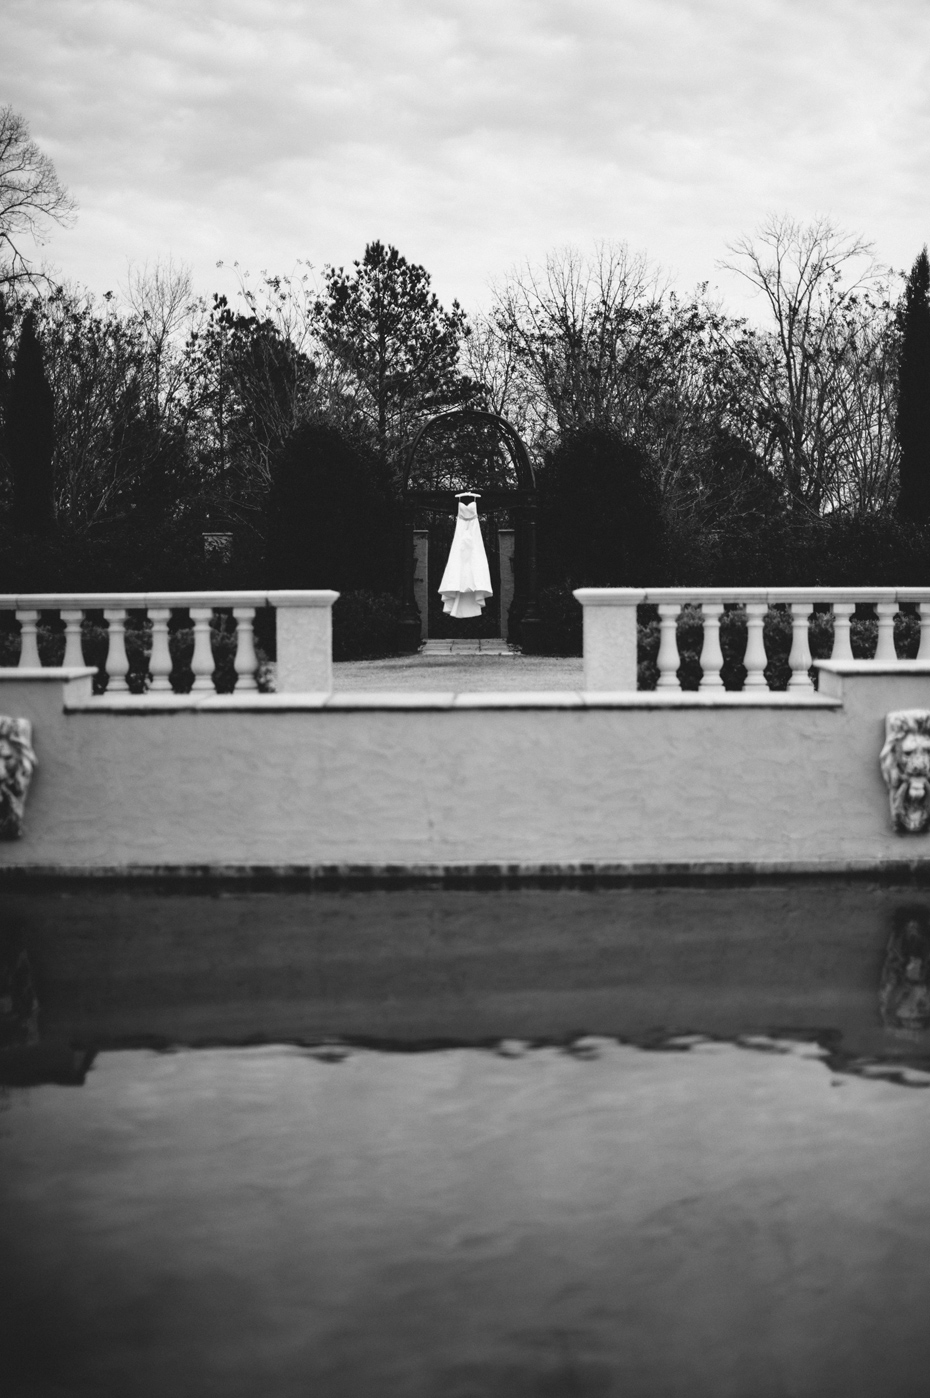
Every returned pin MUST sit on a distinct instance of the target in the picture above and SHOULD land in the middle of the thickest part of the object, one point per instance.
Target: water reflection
(425, 967)
(904, 990)
(563, 1214)
(25, 1059)
(19, 1007)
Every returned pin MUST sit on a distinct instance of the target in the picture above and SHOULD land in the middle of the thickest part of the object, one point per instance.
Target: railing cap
(323, 597)
(47, 672)
(609, 596)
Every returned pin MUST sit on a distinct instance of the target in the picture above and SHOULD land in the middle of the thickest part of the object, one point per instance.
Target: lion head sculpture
(17, 764)
(905, 764)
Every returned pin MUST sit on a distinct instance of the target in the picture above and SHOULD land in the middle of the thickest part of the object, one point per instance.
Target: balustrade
(610, 620)
(304, 642)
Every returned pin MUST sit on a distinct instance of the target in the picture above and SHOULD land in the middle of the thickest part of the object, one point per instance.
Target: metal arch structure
(522, 502)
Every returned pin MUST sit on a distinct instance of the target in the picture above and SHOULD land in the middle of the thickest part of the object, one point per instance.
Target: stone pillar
(421, 579)
(304, 625)
(408, 628)
(505, 545)
(609, 637)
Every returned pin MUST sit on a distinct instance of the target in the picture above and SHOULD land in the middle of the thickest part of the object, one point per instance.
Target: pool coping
(283, 877)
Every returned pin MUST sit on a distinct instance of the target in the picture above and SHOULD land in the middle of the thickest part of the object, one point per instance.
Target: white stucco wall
(435, 780)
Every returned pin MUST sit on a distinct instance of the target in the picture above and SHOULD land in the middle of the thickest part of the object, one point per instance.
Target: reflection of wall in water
(904, 992)
(470, 965)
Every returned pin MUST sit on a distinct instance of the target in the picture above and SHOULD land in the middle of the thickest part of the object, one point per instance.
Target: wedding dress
(466, 582)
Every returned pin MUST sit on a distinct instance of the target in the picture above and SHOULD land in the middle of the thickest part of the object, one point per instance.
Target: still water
(457, 1142)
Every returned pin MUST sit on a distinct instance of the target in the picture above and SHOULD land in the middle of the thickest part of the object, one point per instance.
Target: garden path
(461, 665)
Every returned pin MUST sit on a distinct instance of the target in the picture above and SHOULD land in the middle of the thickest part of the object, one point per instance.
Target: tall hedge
(331, 520)
(600, 514)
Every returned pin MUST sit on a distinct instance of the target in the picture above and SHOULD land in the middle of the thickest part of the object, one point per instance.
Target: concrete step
(485, 646)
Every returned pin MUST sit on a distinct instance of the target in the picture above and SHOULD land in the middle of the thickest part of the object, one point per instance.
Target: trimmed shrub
(561, 618)
(365, 626)
(330, 521)
(600, 521)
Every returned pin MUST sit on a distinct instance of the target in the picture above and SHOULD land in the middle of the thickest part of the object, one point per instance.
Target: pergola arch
(521, 501)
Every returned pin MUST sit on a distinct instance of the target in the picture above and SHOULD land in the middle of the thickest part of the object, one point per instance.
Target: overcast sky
(473, 134)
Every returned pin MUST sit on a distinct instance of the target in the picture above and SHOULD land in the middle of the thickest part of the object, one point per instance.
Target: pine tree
(388, 330)
(30, 435)
(914, 394)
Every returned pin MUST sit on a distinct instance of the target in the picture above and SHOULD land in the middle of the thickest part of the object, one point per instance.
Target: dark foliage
(914, 394)
(877, 550)
(331, 521)
(365, 626)
(135, 556)
(599, 519)
(561, 617)
(30, 435)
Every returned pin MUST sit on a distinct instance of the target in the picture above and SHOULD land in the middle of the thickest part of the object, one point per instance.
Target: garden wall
(422, 782)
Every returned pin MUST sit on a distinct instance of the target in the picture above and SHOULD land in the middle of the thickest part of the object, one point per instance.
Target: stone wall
(425, 781)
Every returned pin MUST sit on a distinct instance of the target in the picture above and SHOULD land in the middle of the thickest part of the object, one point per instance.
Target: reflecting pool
(450, 1141)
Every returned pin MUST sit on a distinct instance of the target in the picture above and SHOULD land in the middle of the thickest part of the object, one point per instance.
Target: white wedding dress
(466, 583)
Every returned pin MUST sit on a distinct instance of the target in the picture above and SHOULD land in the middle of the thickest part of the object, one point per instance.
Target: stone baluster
(29, 650)
(202, 662)
(800, 656)
(246, 659)
(885, 648)
(755, 658)
(117, 661)
(842, 642)
(160, 663)
(711, 654)
(74, 650)
(668, 658)
(923, 611)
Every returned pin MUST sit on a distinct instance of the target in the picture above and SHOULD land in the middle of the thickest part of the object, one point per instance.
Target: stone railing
(303, 626)
(610, 630)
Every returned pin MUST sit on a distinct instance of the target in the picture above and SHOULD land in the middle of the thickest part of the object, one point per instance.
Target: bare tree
(817, 281)
(162, 301)
(491, 359)
(582, 329)
(30, 196)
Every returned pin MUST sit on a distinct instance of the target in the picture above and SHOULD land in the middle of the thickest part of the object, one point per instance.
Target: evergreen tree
(600, 515)
(389, 332)
(330, 523)
(30, 435)
(914, 394)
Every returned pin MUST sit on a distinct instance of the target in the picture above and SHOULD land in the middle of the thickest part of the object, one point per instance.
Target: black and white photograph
(464, 699)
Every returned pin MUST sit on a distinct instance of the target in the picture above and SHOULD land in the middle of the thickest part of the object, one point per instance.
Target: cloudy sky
(473, 134)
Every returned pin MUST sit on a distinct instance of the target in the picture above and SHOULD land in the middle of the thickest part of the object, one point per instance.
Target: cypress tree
(30, 434)
(914, 394)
